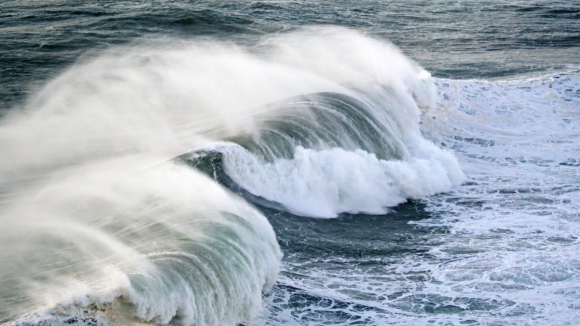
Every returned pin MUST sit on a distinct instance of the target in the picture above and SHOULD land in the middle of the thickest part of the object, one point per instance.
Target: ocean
(289, 162)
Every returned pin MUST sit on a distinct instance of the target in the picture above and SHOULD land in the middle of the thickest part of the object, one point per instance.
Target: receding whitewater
(291, 176)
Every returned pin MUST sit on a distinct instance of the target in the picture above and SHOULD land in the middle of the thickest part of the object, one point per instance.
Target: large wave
(99, 223)
(163, 245)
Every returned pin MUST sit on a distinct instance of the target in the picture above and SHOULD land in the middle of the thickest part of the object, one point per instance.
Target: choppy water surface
(290, 163)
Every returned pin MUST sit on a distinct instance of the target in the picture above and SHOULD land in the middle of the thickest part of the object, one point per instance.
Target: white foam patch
(514, 225)
(325, 183)
(508, 255)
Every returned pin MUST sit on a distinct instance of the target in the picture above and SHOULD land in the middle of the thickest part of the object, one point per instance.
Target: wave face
(102, 225)
(162, 245)
(358, 149)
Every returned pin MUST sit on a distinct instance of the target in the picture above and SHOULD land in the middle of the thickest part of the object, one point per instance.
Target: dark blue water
(457, 39)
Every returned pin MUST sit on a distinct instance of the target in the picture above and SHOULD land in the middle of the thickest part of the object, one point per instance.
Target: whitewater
(312, 176)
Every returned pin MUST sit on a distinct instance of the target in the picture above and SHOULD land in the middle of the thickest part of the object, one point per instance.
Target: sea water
(290, 163)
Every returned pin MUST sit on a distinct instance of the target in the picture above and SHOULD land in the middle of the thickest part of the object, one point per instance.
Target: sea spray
(356, 150)
(100, 222)
(161, 245)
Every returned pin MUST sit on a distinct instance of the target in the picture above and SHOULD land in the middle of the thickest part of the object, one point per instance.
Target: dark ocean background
(494, 244)
(451, 39)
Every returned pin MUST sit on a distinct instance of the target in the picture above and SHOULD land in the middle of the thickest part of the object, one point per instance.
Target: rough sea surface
(290, 162)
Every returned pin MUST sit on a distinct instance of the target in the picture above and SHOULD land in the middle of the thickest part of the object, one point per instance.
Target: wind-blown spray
(100, 223)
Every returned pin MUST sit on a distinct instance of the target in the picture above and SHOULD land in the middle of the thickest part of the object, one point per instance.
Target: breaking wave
(100, 222)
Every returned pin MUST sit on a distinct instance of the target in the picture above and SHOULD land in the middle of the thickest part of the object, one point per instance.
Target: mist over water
(224, 163)
(92, 192)
(111, 245)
